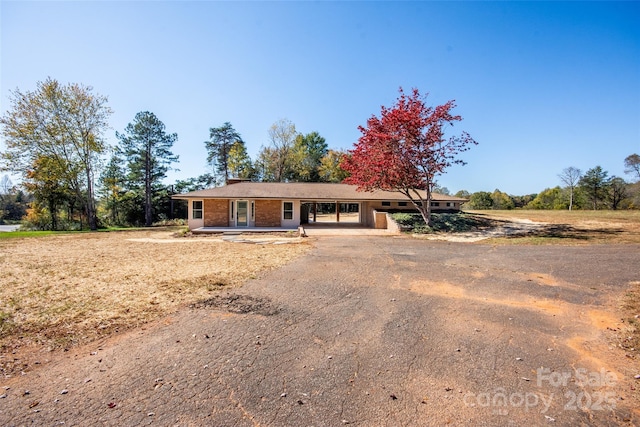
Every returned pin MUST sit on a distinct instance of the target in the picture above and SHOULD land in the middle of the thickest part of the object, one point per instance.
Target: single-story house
(288, 205)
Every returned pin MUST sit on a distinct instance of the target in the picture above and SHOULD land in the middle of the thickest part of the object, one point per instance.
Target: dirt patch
(239, 304)
(450, 290)
(548, 227)
(628, 331)
(501, 228)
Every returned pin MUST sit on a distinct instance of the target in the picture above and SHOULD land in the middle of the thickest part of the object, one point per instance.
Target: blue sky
(541, 85)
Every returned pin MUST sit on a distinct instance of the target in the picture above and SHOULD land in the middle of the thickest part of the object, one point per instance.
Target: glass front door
(242, 213)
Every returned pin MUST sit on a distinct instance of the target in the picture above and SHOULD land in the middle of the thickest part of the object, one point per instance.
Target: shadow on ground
(569, 232)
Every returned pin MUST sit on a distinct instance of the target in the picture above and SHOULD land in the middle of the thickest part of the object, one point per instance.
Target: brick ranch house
(243, 204)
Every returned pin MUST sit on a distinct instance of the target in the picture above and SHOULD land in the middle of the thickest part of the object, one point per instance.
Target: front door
(242, 213)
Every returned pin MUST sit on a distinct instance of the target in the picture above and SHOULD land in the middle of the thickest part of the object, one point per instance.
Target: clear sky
(541, 85)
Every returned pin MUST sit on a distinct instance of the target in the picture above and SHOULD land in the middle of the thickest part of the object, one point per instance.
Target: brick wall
(216, 213)
(268, 213)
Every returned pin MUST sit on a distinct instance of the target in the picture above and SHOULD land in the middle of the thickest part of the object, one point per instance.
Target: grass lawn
(553, 227)
(22, 234)
(64, 289)
(571, 227)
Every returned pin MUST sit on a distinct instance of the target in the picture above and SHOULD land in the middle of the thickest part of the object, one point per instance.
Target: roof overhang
(313, 192)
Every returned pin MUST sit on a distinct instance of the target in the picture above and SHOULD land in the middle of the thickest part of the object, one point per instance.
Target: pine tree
(146, 148)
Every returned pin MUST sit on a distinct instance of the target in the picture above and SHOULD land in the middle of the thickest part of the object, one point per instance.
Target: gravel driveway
(367, 331)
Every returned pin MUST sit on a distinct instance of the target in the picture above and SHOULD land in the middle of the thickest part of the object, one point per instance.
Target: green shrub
(405, 218)
(440, 222)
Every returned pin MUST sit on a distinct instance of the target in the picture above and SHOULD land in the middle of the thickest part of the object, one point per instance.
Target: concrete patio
(317, 229)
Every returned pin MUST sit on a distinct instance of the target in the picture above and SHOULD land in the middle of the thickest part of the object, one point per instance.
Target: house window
(403, 204)
(287, 210)
(448, 204)
(253, 210)
(196, 209)
(436, 204)
(386, 203)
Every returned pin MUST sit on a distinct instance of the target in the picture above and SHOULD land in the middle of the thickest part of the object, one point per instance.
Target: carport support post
(337, 211)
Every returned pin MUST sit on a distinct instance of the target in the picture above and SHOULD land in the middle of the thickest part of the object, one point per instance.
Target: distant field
(573, 227)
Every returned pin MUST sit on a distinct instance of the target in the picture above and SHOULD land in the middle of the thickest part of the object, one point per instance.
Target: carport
(330, 212)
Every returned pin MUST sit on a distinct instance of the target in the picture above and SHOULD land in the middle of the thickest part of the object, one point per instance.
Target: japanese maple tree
(405, 149)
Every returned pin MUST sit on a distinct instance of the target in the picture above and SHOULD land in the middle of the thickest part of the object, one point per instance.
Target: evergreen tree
(221, 140)
(146, 148)
(594, 184)
(113, 182)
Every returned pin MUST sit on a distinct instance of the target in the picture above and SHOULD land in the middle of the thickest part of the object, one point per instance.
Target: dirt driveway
(368, 331)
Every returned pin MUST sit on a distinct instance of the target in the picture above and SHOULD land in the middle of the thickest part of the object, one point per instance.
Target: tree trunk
(147, 188)
(571, 199)
(423, 205)
(91, 207)
(426, 216)
(53, 213)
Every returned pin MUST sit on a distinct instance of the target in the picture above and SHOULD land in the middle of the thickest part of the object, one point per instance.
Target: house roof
(311, 191)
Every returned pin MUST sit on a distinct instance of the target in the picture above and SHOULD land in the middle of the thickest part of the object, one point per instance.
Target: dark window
(435, 204)
(287, 210)
(196, 209)
(386, 203)
(402, 203)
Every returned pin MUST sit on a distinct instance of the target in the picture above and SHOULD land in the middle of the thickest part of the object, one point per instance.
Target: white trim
(191, 221)
(284, 210)
(200, 210)
(247, 213)
(295, 214)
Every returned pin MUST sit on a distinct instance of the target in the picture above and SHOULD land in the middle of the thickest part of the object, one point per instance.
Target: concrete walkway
(309, 229)
(344, 231)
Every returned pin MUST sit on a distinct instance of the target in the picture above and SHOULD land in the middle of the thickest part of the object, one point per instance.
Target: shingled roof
(311, 191)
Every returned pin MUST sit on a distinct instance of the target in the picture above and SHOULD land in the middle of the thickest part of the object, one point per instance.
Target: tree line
(72, 179)
(289, 156)
(593, 189)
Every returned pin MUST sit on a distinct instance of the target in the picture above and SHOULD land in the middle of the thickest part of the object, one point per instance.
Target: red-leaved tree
(405, 149)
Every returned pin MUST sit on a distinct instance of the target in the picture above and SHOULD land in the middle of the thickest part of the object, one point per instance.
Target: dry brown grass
(63, 290)
(572, 227)
(630, 336)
